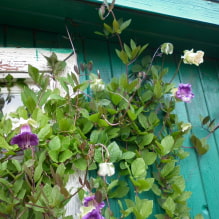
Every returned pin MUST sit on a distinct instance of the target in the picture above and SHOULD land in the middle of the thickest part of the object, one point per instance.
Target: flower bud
(106, 169)
(191, 57)
(186, 127)
(97, 85)
(167, 48)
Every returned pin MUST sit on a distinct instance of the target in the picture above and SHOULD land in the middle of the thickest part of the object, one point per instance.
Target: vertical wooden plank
(17, 37)
(189, 166)
(117, 66)
(208, 163)
(210, 82)
(97, 51)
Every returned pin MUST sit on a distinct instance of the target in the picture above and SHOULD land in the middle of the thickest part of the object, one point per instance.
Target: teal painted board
(189, 166)
(210, 81)
(204, 11)
(1, 36)
(97, 52)
(46, 39)
(208, 163)
(118, 67)
(18, 37)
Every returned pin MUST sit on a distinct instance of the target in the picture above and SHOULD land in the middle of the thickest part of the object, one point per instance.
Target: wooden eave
(149, 23)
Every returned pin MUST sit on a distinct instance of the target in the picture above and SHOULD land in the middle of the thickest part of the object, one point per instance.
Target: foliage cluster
(128, 123)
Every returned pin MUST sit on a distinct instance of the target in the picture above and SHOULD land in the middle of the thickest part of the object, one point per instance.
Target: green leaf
(65, 155)
(55, 144)
(137, 68)
(34, 73)
(29, 98)
(143, 184)
(119, 191)
(167, 168)
(116, 28)
(205, 120)
(65, 124)
(125, 24)
(81, 164)
(59, 67)
(112, 185)
(145, 140)
(116, 98)
(183, 197)
(138, 168)
(54, 155)
(102, 123)
(157, 90)
(61, 170)
(4, 144)
(108, 28)
(44, 132)
(17, 164)
(5, 183)
(132, 115)
(38, 172)
(44, 97)
(144, 207)
(199, 144)
(127, 51)
(114, 152)
(169, 206)
(128, 155)
(29, 163)
(94, 117)
(167, 144)
(146, 96)
(123, 56)
(149, 157)
(199, 216)
(156, 190)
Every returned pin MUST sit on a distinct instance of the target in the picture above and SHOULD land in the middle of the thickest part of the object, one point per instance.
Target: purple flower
(94, 214)
(26, 138)
(91, 201)
(184, 92)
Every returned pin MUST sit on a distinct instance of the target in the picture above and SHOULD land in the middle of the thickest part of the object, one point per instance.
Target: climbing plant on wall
(121, 135)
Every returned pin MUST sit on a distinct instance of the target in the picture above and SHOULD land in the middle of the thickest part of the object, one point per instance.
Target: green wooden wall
(201, 172)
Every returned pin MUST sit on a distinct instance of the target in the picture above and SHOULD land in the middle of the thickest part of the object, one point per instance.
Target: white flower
(106, 169)
(191, 57)
(167, 48)
(186, 127)
(97, 85)
(19, 122)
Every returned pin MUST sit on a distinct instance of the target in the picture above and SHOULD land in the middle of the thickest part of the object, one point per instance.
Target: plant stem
(177, 70)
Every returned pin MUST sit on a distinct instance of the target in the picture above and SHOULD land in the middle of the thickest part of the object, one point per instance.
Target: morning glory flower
(94, 214)
(91, 209)
(26, 138)
(19, 122)
(191, 57)
(184, 92)
(91, 201)
(106, 169)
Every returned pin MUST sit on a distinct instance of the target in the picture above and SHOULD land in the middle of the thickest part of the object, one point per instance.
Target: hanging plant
(121, 135)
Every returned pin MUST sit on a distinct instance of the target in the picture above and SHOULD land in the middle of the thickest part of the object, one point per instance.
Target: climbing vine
(123, 136)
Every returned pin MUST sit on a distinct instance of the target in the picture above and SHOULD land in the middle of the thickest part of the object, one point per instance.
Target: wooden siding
(201, 10)
(201, 172)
